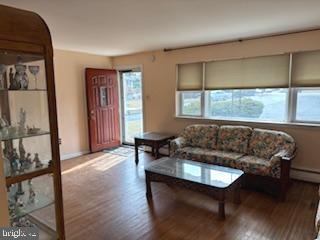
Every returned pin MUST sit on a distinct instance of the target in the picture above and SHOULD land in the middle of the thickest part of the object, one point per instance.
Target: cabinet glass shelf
(26, 156)
(32, 197)
(26, 135)
(23, 90)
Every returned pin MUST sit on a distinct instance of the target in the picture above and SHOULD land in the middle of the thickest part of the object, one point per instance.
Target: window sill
(288, 124)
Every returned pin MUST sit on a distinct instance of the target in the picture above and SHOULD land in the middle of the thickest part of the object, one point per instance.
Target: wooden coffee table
(209, 179)
(152, 139)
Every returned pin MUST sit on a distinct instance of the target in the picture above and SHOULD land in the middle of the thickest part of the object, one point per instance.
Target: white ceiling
(118, 27)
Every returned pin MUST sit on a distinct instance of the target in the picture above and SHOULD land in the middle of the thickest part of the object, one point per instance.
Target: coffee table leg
(136, 145)
(221, 200)
(221, 210)
(236, 197)
(148, 186)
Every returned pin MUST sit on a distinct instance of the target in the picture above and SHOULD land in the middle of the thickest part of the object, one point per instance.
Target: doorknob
(92, 113)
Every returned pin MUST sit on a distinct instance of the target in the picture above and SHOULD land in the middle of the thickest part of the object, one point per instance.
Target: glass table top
(207, 174)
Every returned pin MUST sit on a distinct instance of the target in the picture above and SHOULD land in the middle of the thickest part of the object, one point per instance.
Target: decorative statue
(32, 194)
(37, 161)
(28, 161)
(34, 70)
(19, 202)
(22, 153)
(20, 77)
(14, 160)
(14, 85)
(22, 122)
(2, 78)
(3, 122)
(25, 81)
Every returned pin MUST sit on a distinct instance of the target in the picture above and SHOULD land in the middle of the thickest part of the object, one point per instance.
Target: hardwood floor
(104, 198)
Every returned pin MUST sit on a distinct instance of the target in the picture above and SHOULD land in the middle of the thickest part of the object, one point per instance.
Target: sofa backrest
(234, 138)
(265, 143)
(201, 135)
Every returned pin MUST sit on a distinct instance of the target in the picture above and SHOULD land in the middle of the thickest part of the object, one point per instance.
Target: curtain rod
(242, 39)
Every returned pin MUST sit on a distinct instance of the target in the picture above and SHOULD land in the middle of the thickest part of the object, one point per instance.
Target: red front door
(103, 108)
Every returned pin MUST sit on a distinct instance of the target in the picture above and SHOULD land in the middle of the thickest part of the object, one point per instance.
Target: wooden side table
(152, 139)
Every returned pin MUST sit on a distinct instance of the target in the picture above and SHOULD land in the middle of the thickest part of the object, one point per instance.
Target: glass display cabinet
(30, 174)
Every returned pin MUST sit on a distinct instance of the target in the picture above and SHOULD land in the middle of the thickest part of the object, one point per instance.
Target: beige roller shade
(190, 76)
(306, 69)
(257, 72)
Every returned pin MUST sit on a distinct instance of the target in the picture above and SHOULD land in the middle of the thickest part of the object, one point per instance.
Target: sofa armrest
(283, 156)
(176, 144)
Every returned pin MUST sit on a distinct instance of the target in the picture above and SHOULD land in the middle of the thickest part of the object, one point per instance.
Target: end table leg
(136, 153)
(221, 210)
(148, 186)
(152, 151)
(156, 156)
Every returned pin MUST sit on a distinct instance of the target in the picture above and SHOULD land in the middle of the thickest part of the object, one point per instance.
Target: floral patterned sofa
(264, 155)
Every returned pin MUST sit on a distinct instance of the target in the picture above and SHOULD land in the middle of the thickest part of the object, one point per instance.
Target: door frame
(121, 99)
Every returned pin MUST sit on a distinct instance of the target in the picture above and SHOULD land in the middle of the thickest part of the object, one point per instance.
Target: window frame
(291, 104)
(208, 105)
(180, 105)
(295, 103)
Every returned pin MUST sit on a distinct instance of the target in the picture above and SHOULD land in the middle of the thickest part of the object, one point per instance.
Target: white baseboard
(73, 155)
(305, 175)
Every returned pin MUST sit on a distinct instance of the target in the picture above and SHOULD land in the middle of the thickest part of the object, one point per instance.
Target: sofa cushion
(226, 158)
(265, 143)
(208, 156)
(258, 166)
(234, 138)
(201, 135)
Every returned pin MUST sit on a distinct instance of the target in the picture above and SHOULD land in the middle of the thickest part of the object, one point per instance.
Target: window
(308, 105)
(248, 104)
(279, 88)
(191, 103)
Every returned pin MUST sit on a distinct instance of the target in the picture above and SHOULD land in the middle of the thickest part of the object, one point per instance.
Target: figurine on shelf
(14, 160)
(24, 81)
(29, 162)
(20, 189)
(21, 76)
(14, 84)
(3, 122)
(34, 70)
(4, 127)
(37, 161)
(7, 167)
(32, 194)
(22, 121)
(19, 202)
(33, 130)
(2, 78)
(22, 153)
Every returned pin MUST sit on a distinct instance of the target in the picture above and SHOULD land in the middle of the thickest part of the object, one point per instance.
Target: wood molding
(73, 155)
(305, 175)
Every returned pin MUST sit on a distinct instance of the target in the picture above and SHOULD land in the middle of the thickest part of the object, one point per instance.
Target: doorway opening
(131, 104)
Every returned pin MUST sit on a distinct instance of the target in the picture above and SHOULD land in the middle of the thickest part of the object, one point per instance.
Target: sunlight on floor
(101, 163)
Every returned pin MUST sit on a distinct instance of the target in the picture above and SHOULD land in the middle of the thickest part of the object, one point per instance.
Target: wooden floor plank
(104, 198)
